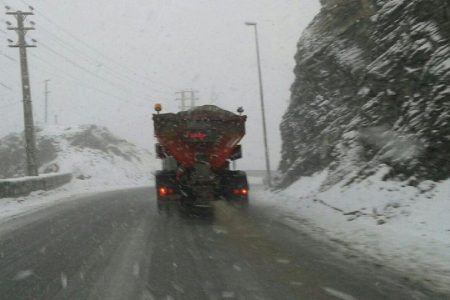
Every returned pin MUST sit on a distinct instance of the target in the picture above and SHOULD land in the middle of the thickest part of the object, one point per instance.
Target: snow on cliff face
(92, 153)
(371, 88)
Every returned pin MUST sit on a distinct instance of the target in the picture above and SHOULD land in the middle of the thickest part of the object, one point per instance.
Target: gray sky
(109, 61)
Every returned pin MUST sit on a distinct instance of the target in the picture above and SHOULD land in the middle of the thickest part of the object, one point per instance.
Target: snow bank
(398, 225)
(29, 178)
(97, 159)
(25, 185)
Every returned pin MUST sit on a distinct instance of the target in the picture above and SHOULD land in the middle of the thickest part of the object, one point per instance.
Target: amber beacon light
(158, 107)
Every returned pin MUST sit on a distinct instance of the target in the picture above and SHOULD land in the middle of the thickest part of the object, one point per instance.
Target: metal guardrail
(24, 186)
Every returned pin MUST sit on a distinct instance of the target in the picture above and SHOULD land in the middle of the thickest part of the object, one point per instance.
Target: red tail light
(164, 191)
(196, 135)
(240, 192)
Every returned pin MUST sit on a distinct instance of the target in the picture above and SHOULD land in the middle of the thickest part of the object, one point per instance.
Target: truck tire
(234, 188)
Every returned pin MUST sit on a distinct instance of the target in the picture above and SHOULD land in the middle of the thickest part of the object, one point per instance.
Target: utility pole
(46, 93)
(184, 99)
(261, 94)
(30, 139)
(193, 98)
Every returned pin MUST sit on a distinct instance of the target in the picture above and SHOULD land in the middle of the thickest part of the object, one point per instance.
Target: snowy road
(114, 245)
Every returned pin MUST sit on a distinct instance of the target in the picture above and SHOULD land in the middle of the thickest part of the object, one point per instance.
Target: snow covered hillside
(93, 154)
(371, 88)
(387, 223)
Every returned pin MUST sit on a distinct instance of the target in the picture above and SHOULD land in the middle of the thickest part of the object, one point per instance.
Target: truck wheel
(160, 206)
(245, 204)
(164, 208)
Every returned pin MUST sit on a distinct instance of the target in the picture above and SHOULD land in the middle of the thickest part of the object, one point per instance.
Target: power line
(87, 45)
(10, 104)
(7, 105)
(90, 58)
(114, 84)
(75, 79)
(6, 86)
(8, 57)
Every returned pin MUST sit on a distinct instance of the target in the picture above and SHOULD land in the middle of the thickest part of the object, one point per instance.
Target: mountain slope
(90, 152)
(371, 88)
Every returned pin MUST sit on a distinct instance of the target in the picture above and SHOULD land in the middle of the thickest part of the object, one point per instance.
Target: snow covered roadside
(16, 207)
(98, 160)
(399, 226)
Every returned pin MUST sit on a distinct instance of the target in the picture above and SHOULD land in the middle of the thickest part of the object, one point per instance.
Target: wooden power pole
(46, 92)
(30, 139)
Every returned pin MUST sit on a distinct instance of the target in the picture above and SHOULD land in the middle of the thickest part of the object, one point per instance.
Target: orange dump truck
(196, 147)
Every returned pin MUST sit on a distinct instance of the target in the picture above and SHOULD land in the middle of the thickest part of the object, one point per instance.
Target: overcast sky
(109, 61)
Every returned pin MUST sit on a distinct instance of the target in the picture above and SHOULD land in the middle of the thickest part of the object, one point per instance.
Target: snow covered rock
(371, 88)
(92, 153)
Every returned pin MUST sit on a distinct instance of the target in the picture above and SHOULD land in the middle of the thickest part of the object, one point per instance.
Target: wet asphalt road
(115, 245)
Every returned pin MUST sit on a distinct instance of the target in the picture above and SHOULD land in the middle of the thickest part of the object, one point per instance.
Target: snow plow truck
(196, 147)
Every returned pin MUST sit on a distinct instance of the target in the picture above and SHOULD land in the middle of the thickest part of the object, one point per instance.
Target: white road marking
(338, 294)
(21, 275)
(283, 261)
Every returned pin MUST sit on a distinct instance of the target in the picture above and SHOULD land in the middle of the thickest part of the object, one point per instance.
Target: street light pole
(261, 93)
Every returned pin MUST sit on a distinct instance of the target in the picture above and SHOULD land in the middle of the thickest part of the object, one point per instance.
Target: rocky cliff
(372, 87)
